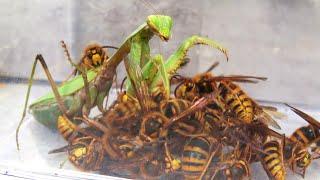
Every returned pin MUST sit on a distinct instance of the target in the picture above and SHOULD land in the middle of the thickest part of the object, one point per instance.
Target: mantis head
(160, 25)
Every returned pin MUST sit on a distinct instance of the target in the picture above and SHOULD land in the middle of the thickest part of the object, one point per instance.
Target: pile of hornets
(163, 125)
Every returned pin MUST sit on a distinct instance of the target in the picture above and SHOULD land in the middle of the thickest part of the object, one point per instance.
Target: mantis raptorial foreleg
(159, 63)
(157, 74)
(175, 61)
(139, 85)
(54, 88)
(154, 65)
(150, 69)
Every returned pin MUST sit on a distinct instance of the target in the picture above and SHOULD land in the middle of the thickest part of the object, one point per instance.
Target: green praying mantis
(89, 89)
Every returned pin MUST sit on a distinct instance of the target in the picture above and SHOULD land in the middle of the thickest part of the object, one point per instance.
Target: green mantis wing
(149, 71)
(70, 87)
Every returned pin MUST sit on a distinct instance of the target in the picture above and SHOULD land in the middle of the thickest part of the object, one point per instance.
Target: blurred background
(276, 39)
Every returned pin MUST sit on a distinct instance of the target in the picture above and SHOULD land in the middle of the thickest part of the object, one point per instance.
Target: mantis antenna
(150, 6)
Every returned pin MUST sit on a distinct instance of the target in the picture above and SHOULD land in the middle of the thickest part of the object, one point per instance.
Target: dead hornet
(205, 83)
(231, 166)
(190, 125)
(272, 160)
(123, 110)
(160, 163)
(85, 153)
(67, 128)
(152, 127)
(307, 135)
(296, 149)
(233, 97)
(242, 107)
(149, 166)
(118, 145)
(197, 156)
(152, 168)
(297, 156)
(250, 145)
(93, 56)
(192, 88)
(70, 130)
(105, 139)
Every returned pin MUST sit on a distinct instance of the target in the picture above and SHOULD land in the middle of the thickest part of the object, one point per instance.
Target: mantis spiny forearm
(158, 75)
(177, 58)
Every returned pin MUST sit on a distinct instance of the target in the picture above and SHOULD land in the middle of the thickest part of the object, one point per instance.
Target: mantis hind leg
(53, 87)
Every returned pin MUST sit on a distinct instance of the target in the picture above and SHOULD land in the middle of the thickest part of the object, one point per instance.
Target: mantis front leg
(178, 57)
(138, 84)
(159, 79)
(156, 64)
(159, 66)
